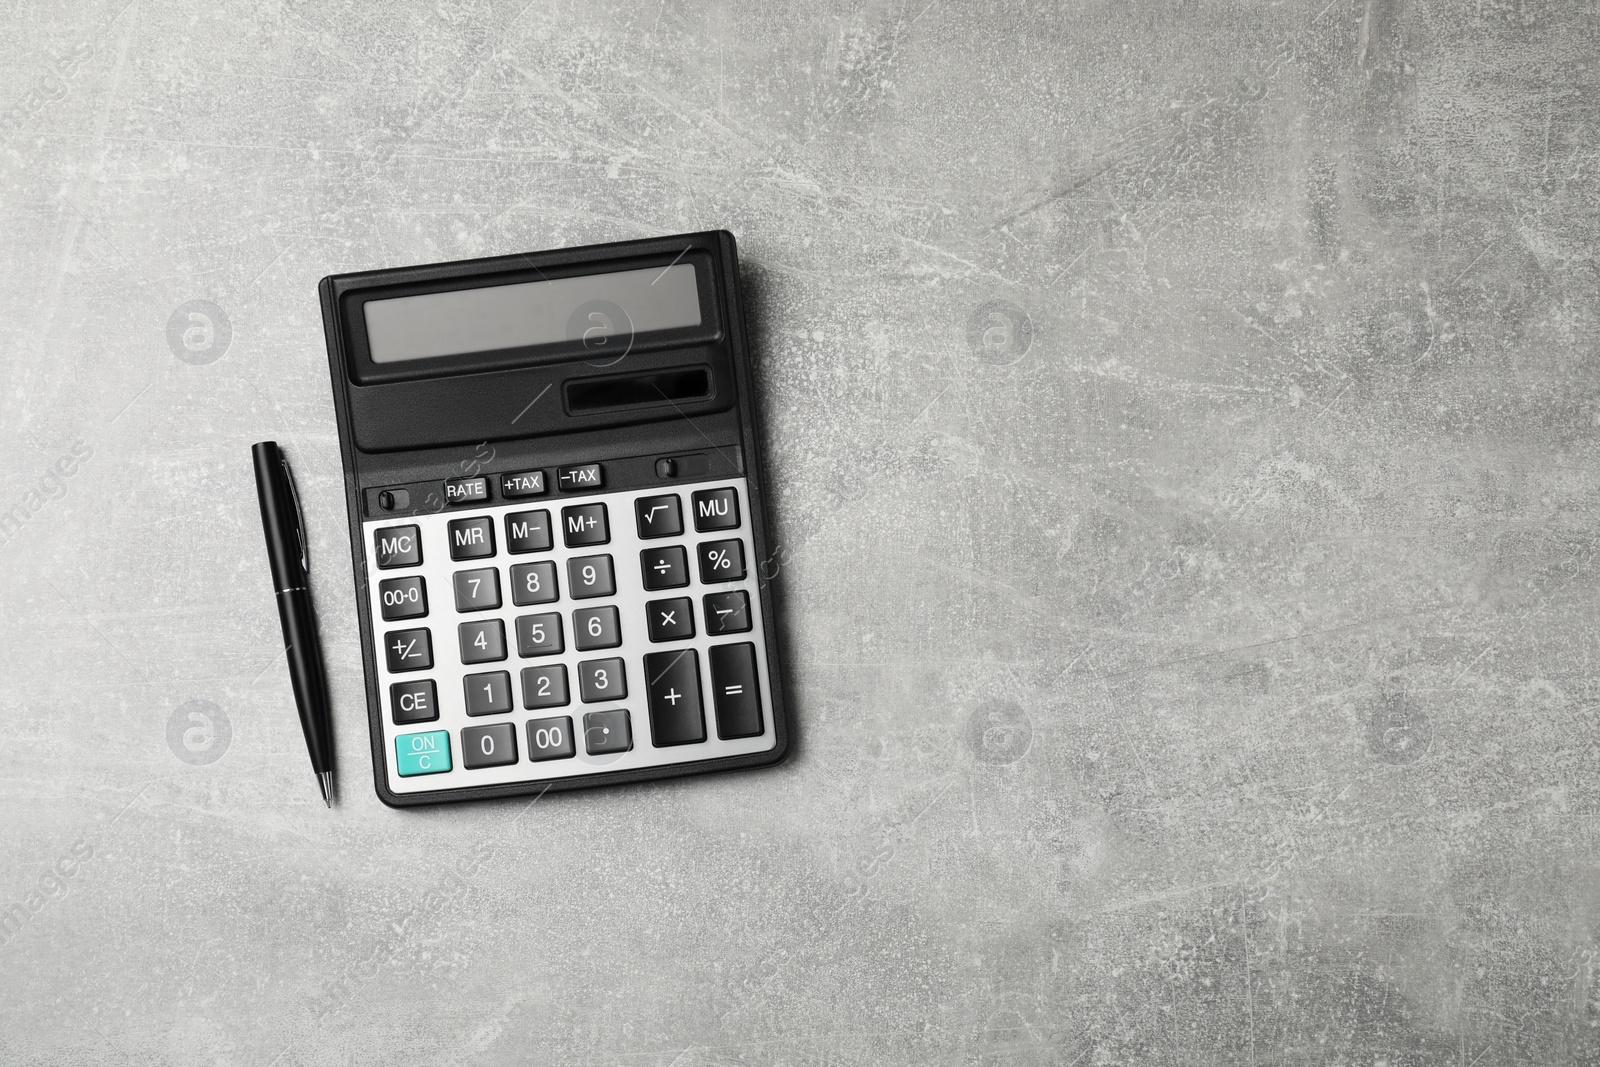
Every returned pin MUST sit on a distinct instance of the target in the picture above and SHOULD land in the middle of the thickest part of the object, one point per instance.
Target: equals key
(735, 692)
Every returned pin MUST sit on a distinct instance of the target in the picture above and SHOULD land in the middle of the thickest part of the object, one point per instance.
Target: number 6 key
(594, 628)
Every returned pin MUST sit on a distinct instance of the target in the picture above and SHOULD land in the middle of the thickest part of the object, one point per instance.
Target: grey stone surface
(1184, 422)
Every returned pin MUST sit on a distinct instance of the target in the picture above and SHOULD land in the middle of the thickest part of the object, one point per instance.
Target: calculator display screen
(495, 317)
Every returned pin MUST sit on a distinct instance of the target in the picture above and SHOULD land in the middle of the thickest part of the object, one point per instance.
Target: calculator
(552, 466)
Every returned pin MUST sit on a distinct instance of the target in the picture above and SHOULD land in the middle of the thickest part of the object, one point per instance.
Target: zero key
(488, 746)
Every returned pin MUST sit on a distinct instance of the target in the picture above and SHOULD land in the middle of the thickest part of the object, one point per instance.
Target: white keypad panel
(568, 635)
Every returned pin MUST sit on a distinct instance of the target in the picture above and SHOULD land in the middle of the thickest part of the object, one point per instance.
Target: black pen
(284, 523)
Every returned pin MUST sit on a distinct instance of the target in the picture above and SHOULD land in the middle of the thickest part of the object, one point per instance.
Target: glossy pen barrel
(306, 674)
(280, 518)
(281, 522)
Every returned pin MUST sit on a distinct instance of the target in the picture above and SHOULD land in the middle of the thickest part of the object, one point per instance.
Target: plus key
(672, 689)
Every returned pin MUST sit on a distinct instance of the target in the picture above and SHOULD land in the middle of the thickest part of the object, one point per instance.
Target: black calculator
(552, 466)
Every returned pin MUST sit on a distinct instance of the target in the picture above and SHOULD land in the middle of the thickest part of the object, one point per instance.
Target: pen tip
(325, 781)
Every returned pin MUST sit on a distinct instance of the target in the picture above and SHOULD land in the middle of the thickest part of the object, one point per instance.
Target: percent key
(721, 561)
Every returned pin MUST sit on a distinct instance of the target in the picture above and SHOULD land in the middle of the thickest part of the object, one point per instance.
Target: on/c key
(426, 753)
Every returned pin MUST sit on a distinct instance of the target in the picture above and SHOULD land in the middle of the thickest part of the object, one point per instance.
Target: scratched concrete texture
(1183, 424)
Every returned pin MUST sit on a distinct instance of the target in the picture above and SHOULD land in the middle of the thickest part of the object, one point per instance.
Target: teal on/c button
(427, 753)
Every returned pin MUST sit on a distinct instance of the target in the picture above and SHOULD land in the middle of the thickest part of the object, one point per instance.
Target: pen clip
(300, 517)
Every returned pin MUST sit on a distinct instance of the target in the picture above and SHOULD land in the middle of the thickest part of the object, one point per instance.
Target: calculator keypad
(573, 661)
